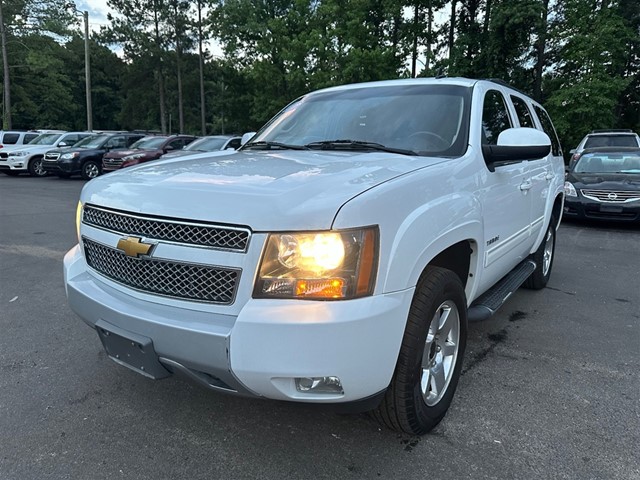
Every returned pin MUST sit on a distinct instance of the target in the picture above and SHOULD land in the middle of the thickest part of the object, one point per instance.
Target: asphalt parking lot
(550, 386)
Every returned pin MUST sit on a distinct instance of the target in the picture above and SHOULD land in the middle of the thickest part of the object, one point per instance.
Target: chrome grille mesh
(51, 157)
(612, 196)
(164, 277)
(214, 236)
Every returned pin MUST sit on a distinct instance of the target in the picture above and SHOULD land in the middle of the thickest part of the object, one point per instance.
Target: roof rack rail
(499, 81)
(613, 130)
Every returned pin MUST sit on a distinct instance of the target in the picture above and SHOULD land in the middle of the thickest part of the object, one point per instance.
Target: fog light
(319, 385)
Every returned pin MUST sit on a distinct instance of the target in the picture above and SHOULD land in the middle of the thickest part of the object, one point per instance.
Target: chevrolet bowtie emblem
(133, 247)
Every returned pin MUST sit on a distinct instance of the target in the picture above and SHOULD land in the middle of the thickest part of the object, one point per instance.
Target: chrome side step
(490, 301)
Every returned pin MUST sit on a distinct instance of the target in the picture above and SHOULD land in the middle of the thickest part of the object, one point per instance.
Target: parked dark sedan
(604, 184)
(144, 150)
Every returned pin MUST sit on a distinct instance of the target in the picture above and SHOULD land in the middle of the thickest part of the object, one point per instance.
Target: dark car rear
(604, 184)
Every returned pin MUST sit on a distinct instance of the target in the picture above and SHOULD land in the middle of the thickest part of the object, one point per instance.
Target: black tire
(11, 173)
(544, 259)
(406, 407)
(35, 167)
(63, 175)
(90, 169)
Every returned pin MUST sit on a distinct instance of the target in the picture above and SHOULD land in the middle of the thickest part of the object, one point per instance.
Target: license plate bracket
(130, 350)
(611, 208)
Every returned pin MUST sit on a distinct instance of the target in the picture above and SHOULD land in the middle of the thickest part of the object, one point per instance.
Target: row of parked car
(90, 154)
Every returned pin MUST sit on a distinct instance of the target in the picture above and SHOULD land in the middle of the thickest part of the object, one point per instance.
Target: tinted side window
(547, 126)
(11, 138)
(235, 143)
(29, 136)
(522, 111)
(495, 117)
(116, 142)
(129, 140)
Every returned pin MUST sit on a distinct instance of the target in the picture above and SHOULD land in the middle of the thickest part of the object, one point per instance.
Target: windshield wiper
(357, 145)
(262, 145)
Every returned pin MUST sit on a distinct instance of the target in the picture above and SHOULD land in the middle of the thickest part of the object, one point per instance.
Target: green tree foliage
(580, 58)
(592, 44)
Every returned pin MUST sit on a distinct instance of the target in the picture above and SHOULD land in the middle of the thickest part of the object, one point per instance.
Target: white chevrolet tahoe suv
(337, 256)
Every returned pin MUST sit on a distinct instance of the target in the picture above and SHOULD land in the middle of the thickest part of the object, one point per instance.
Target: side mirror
(169, 148)
(62, 144)
(246, 137)
(517, 145)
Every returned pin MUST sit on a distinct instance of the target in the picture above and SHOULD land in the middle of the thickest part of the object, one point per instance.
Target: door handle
(526, 185)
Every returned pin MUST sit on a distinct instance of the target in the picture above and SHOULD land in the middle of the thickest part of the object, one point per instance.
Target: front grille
(51, 157)
(4, 155)
(178, 231)
(612, 196)
(187, 281)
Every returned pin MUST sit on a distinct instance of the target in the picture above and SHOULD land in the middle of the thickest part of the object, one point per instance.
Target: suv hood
(606, 181)
(75, 149)
(275, 190)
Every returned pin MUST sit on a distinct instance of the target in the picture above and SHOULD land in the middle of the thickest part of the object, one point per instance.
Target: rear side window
(611, 141)
(495, 117)
(547, 126)
(10, 138)
(522, 111)
(129, 140)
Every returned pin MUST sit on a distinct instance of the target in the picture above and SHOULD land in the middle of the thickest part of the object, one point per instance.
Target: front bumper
(261, 350)
(585, 208)
(18, 164)
(60, 166)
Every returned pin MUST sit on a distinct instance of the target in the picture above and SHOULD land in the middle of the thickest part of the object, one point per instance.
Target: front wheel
(431, 354)
(543, 257)
(90, 170)
(35, 167)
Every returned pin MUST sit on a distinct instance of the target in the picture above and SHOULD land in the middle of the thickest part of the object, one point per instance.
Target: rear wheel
(544, 259)
(430, 357)
(90, 170)
(35, 167)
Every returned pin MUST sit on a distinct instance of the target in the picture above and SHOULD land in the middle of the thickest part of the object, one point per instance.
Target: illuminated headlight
(570, 190)
(69, 156)
(328, 265)
(78, 219)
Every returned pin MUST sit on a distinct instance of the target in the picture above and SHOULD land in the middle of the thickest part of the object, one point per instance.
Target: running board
(490, 301)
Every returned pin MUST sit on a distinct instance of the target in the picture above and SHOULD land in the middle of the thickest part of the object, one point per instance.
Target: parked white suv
(28, 158)
(336, 257)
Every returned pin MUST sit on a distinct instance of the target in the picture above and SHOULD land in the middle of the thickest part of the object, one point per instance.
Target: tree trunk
(414, 52)
(203, 124)
(540, 52)
(163, 119)
(179, 71)
(427, 62)
(6, 120)
(452, 27)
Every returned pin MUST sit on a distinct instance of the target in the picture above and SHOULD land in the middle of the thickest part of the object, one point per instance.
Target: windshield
(425, 119)
(206, 144)
(92, 142)
(45, 139)
(615, 162)
(149, 143)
